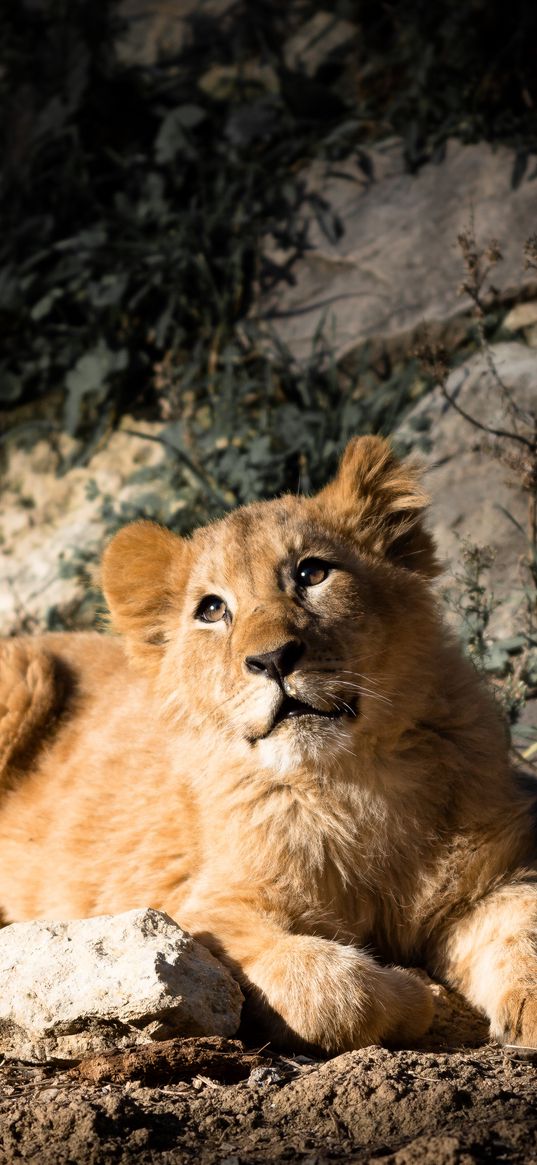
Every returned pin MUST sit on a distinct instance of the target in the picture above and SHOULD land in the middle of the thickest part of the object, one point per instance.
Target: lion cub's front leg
(309, 990)
(491, 956)
(335, 996)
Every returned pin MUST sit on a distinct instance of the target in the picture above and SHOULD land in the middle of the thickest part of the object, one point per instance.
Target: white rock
(71, 988)
(397, 262)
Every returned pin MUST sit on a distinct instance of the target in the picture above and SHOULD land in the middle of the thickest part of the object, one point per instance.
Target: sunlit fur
(311, 854)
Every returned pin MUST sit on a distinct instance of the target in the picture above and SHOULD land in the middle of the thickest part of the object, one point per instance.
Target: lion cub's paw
(516, 1020)
(410, 1012)
(337, 998)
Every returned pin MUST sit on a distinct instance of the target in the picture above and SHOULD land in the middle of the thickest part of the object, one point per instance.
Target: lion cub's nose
(276, 664)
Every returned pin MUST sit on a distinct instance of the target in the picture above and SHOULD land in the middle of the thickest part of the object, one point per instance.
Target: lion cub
(286, 751)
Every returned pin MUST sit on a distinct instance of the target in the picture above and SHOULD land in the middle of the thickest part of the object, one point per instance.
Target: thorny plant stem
(532, 510)
(530, 444)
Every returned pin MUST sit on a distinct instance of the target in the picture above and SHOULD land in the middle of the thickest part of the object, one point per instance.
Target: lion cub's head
(291, 625)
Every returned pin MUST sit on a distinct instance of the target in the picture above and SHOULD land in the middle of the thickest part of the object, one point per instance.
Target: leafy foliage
(140, 204)
(442, 69)
(137, 203)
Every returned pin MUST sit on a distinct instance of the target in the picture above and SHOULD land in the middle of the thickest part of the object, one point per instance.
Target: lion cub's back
(83, 828)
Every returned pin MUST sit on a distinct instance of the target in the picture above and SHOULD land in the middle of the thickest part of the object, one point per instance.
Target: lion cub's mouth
(290, 709)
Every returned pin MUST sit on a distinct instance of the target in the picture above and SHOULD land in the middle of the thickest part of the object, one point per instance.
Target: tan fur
(310, 855)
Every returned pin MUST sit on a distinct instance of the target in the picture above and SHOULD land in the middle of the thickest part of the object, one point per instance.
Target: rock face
(70, 988)
(394, 261)
(155, 31)
(475, 488)
(54, 522)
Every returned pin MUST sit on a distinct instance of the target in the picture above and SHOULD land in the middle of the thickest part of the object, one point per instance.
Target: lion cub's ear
(382, 499)
(143, 573)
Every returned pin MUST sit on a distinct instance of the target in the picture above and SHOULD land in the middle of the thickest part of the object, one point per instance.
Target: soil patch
(374, 1105)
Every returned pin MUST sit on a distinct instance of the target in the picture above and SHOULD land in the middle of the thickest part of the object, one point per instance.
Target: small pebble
(48, 1093)
(520, 1052)
(263, 1077)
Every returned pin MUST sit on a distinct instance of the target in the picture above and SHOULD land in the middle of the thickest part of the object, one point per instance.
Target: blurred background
(234, 235)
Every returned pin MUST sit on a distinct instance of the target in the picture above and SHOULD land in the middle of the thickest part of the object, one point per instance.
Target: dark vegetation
(139, 207)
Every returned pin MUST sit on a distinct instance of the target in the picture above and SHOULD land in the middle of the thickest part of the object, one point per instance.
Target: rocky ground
(73, 1089)
(453, 1098)
(432, 1107)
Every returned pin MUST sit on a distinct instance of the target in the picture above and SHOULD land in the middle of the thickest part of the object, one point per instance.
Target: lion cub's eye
(312, 571)
(211, 609)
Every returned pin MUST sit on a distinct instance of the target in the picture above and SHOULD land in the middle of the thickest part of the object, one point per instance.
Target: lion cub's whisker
(360, 675)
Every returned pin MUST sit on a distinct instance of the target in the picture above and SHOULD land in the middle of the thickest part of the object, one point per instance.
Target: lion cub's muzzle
(278, 665)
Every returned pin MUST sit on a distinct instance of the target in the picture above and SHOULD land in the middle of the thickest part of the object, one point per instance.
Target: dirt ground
(211, 1100)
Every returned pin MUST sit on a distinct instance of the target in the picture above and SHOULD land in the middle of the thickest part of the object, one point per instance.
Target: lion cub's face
(273, 627)
(276, 625)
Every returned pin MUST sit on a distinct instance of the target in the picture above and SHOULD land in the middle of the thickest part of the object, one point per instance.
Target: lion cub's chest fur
(331, 851)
